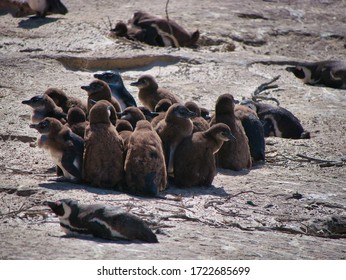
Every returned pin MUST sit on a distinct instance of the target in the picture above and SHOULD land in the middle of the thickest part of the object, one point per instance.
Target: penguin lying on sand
(102, 221)
(329, 73)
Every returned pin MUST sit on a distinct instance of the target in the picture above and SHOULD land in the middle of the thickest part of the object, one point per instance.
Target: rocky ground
(288, 208)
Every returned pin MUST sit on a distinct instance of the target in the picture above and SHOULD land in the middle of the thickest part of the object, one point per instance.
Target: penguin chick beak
(26, 102)
(92, 102)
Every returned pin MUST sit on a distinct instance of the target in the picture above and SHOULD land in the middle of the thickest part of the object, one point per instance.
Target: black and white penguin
(119, 91)
(277, 121)
(44, 7)
(329, 73)
(66, 148)
(108, 222)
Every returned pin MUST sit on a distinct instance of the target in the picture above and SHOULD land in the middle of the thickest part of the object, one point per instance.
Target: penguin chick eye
(44, 124)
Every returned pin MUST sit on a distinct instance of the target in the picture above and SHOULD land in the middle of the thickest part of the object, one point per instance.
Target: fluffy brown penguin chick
(100, 90)
(234, 154)
(132, 115)
(103, 156)
(65, 102)
(161, 108)
(43, 106)
(199, 123)
(145, 163)
(150, 93)
(125, 130)
(65, 147)
(76, 120)
(172, 130)
(194, 160)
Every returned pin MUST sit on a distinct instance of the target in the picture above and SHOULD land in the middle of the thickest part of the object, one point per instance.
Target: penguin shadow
(32, 22)
(64, 186)
(194, 191)
(99, 240)
(242, 172)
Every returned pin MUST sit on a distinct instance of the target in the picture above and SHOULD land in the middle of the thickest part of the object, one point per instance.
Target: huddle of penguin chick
(110, 142)
(155, 31)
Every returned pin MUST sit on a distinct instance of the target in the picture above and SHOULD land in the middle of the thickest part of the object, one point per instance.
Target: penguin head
(96, 87)
(250, 104)
(120, 29)
(63, 207)
(180, 111)
(163, 105)
(35, 102)
(102, 112)
(75, 115)
(193, 107)
(145, 81)
(109, 77)
(58, 96)
(205, 114)
(48, 125)
(147, 113)
(221, 132)
(224, 104)
(133, 115)
(297, 71)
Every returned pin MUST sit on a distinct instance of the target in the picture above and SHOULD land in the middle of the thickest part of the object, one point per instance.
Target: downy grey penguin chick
(199, 123)
(108, 222)
(65, 147)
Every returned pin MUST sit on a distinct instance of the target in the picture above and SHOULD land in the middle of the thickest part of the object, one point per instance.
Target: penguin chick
(44, 106)
(328, 73)
(205, 114)
(65, 102)
(172, 130)
(103, 156)
(150, 93)
(44, 7)
(234, 154)
(145, 167)
(125, 130)
(161, 108)
(99, 90)
(65, 147)
(278, 121)
(194, 161)
(113, 114)
(253, 130)
(16, 8)
(119, 91)
(133, 115)
(76, 120)
(101, 221)
(199, 123)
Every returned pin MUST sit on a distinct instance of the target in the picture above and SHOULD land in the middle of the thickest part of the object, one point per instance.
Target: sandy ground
(245, 215)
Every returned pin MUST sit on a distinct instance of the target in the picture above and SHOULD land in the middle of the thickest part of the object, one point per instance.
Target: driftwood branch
(322, 162)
